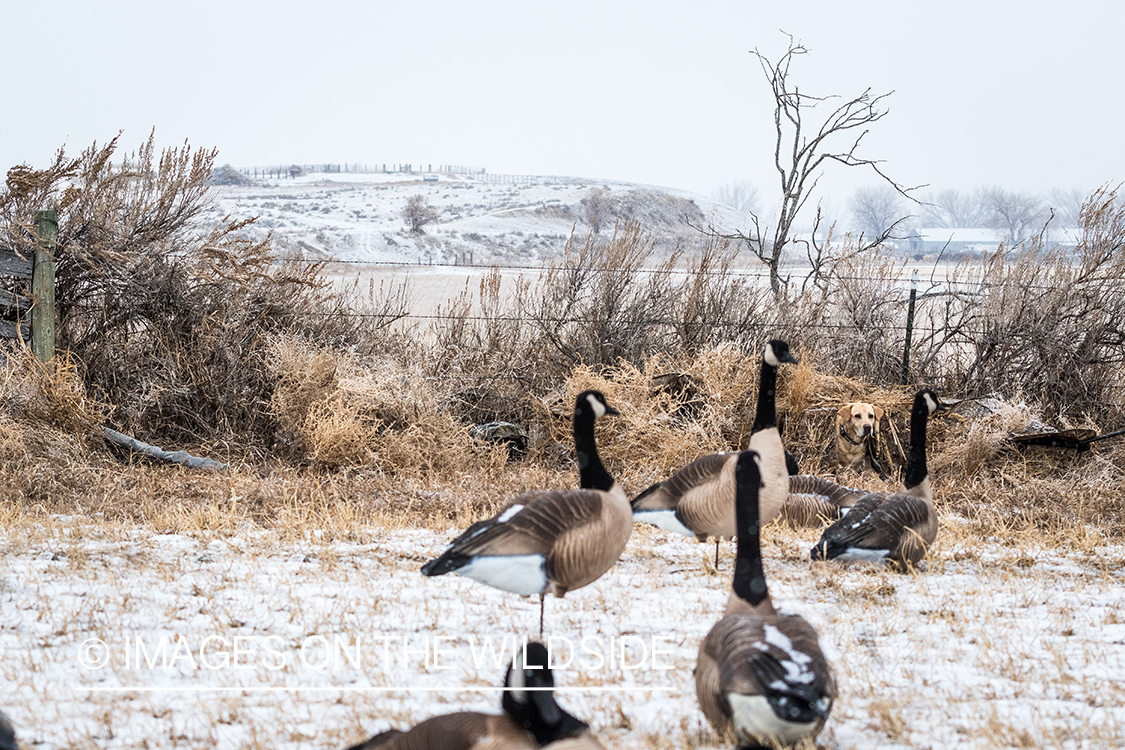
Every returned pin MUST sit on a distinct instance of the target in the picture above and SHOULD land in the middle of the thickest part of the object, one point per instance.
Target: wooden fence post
(43, 286)
(909, 328)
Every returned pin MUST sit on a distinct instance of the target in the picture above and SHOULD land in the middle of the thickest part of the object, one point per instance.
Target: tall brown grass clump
(335, 410)
(46, 413)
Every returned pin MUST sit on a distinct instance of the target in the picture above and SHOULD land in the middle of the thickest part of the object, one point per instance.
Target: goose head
(595, 402)
(928, 400)
(777, 351)
(529, 700)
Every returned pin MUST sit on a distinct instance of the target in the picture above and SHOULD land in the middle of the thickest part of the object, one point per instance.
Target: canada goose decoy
(760, 678)
(531, 719)
(891, 527)
(698, 500)
(550, 541)
(813, 500)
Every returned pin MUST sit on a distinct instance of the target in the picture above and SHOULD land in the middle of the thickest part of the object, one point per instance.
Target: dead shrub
(599, 305)
(167, 319)
(1039, 320)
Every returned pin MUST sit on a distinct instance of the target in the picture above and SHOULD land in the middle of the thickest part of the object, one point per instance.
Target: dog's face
(858, 419)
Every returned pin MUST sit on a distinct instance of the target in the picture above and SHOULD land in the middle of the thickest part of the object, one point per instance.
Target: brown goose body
(741, 656)
(467, 730)
(891, 527)
(546, 542)
(549, 541)
(814, 501)
(775, 473)
(698, 500)
(760, 676)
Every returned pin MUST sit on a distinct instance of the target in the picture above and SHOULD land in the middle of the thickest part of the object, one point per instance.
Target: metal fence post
(909, 327)
(43, 286)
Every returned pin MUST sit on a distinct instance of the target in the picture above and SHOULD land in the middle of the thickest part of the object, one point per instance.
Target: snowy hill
(358, 216)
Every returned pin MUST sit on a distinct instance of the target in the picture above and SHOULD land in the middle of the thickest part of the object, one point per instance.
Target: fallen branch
(179, 457)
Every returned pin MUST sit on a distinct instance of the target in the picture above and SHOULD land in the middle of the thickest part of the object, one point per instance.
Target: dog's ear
(878, 414)
(844, 414)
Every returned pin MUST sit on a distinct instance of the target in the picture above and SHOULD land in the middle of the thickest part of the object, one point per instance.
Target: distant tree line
(1019, 215)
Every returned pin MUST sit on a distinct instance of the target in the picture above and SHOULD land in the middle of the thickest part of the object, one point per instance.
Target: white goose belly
(753, 717)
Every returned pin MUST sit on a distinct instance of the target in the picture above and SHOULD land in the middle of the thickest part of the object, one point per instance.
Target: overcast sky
(1023, 95)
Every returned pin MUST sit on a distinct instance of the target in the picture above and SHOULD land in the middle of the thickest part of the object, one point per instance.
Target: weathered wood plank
(13, 265)
(11, 299)
(10, 330)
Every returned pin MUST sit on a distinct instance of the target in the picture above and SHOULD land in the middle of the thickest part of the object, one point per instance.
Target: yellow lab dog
(857, 429)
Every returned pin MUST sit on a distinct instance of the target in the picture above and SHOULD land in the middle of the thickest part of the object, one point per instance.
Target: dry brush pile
(335, 403)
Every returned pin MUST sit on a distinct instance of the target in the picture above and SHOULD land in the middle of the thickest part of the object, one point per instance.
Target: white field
(993, 646)
(358, 217)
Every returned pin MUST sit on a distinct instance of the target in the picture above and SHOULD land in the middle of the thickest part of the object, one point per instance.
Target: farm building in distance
(976, 241)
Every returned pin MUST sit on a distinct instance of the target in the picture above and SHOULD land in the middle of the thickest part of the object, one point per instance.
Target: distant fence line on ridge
(293, 170)
(479, 174)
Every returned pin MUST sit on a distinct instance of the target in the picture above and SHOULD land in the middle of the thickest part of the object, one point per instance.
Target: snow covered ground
(358, 216)
(270, 642)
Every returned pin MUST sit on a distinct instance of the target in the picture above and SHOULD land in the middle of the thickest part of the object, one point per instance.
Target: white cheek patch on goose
(519, 574)
(664, 519)
(517, 680)
(597, 406)
(771, 357)
(930, 403)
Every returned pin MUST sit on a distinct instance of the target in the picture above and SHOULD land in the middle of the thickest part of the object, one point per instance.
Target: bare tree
(418, 213)
(1067, 205)
(952, 209)
(875, 209)
(1019, 214)
(802, 148)
(598, 206)
(740, 195)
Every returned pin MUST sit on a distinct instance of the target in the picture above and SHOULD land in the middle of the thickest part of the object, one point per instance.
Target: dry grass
(376, 437)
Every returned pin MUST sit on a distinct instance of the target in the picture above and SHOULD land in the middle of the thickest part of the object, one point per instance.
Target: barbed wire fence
(913, 331)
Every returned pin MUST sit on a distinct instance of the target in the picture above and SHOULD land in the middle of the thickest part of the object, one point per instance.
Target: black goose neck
(766, 414)
(538, 712)
(591, 472)
(916, 470)
(749, 576)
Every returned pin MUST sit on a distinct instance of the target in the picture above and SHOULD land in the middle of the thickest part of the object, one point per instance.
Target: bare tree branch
(799, 157)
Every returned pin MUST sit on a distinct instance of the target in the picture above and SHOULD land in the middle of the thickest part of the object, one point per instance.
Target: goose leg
(542, 604)
(716, 553)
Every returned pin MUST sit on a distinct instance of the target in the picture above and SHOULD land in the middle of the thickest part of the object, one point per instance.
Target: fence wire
(788, 275)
